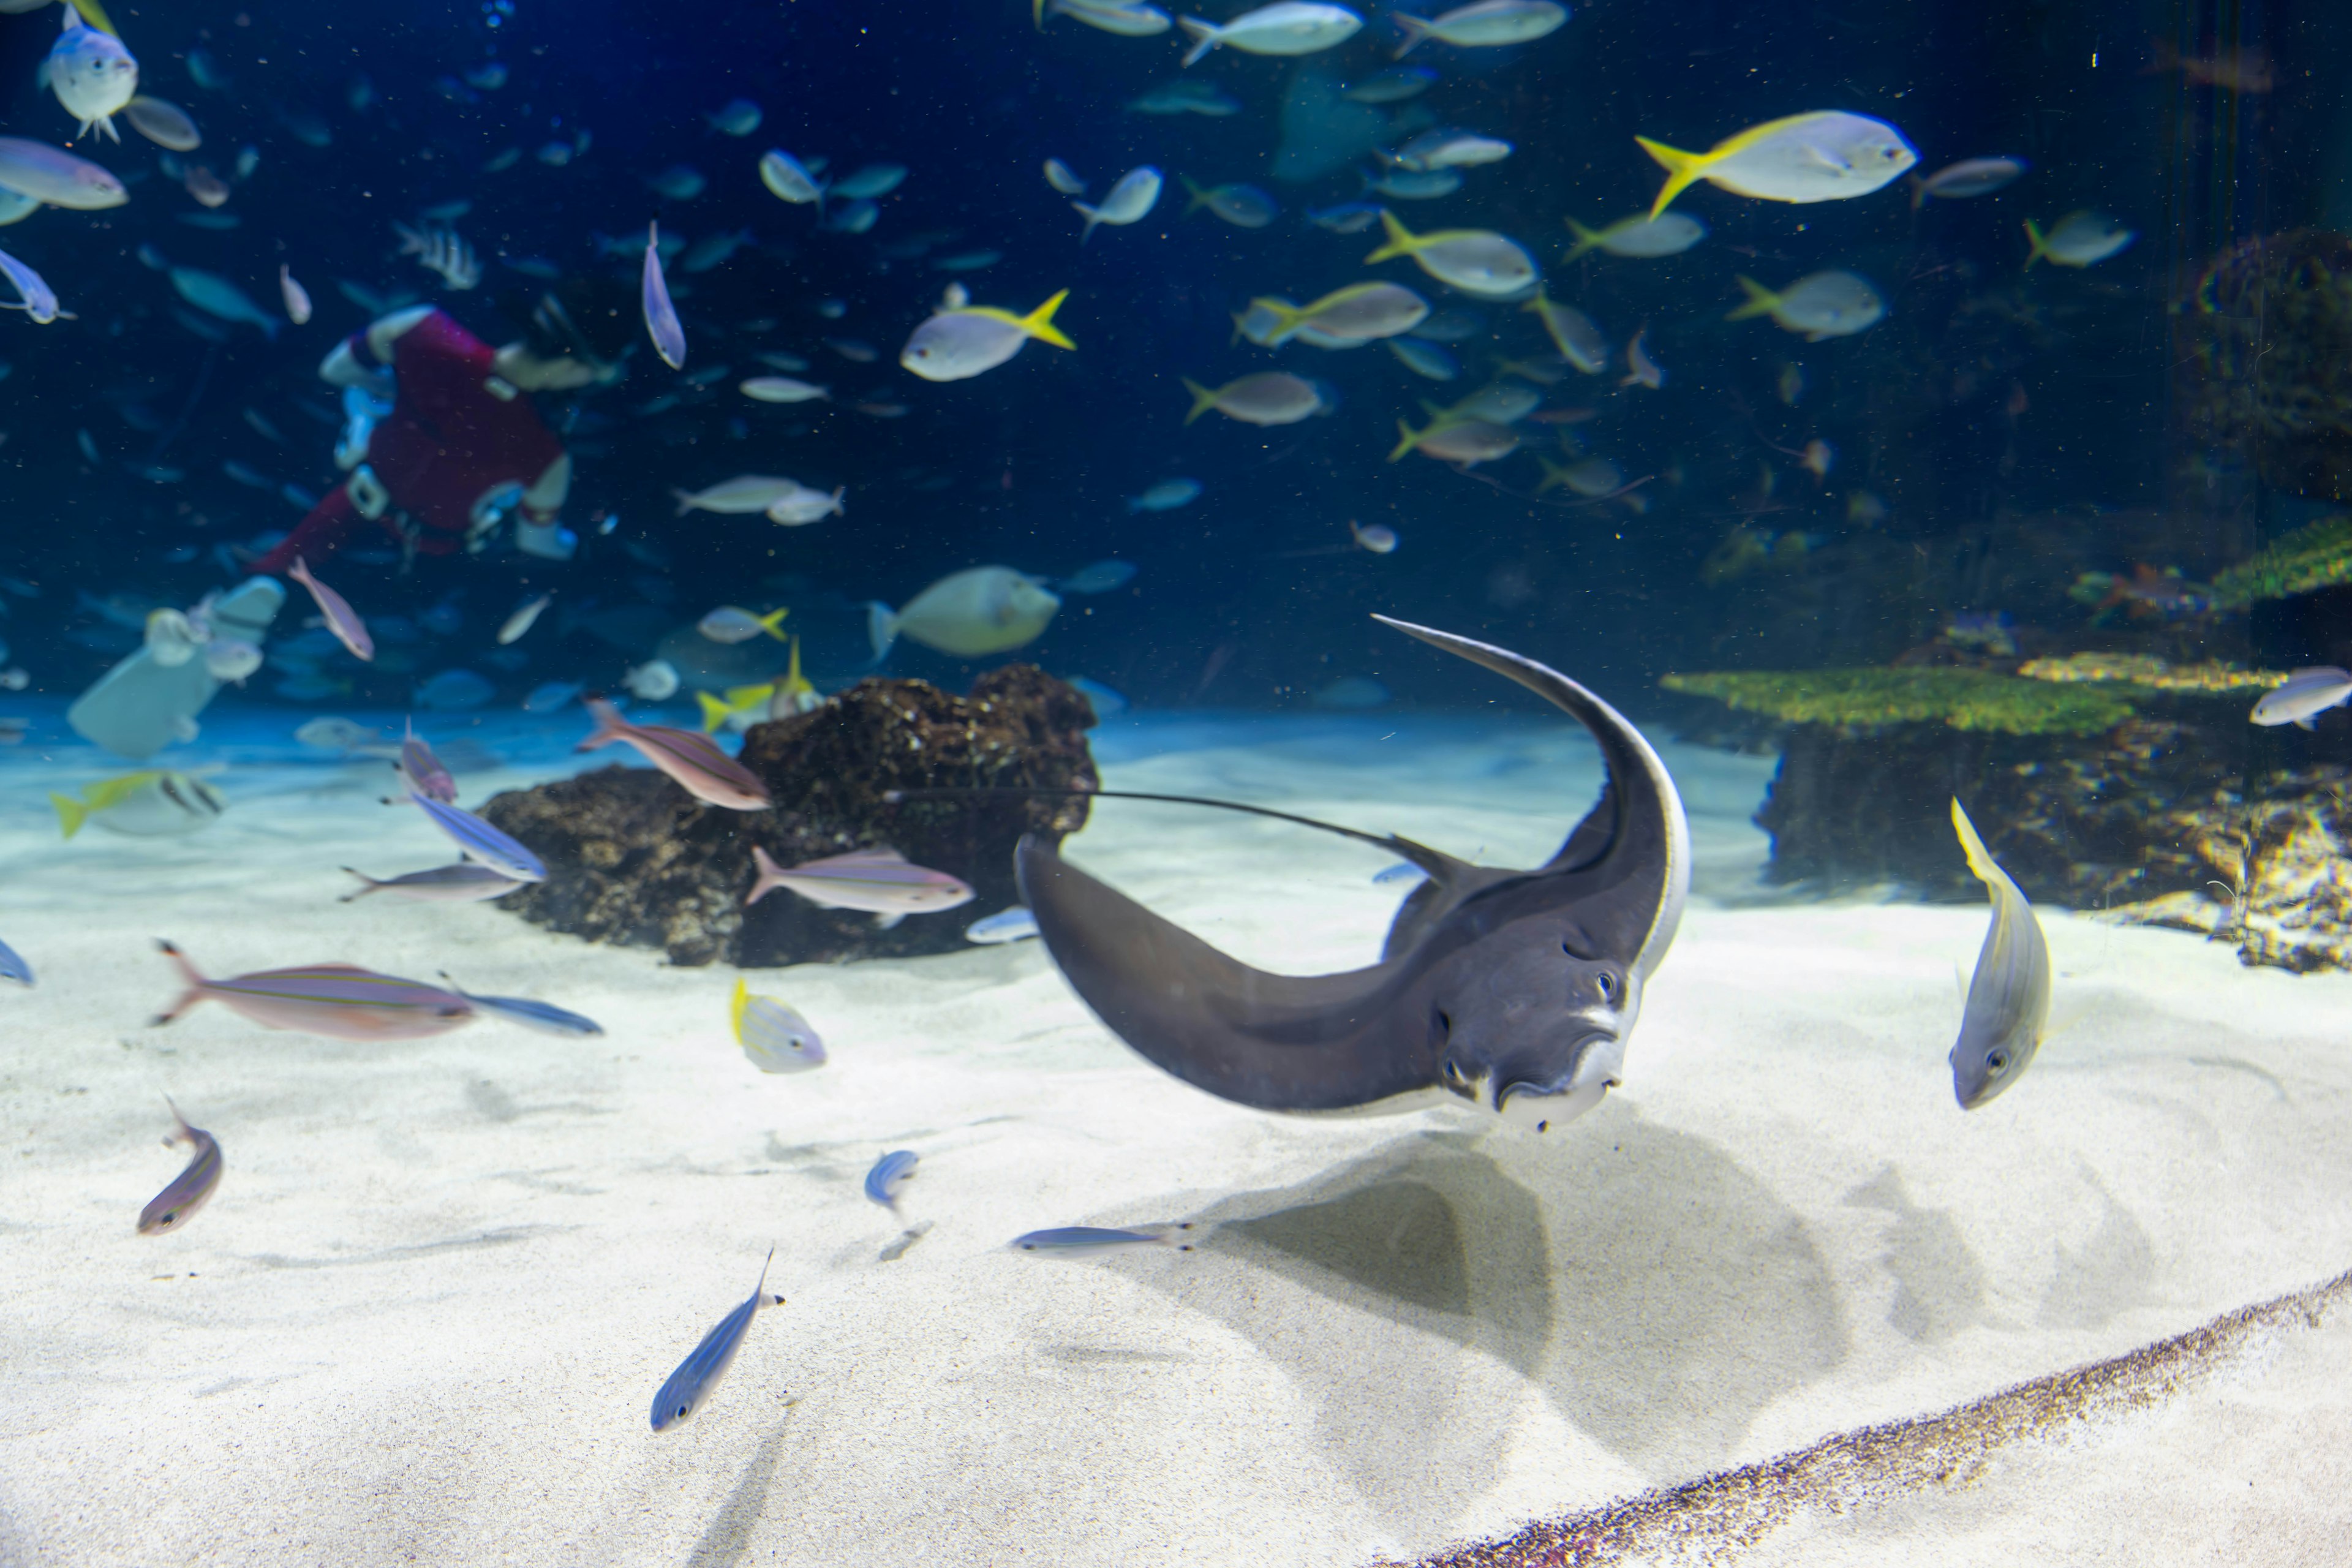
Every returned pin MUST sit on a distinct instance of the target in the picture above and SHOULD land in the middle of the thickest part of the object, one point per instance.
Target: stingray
(1514, 990)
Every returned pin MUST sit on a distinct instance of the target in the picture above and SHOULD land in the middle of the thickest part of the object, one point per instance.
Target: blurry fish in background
(1351, 316)
(1268, 397)
(1640, 370)
(803, 505)
(1288, 27)
(442, 252)
(853, 216)
(1412, 184)
(52, 175)
(1591, 478)
(1129, 201)
(192, 1187)
(2008, 1009)
(525, 616)
(1425, 358)
(216, 296)
(1124, 17)
(788, 180)
(341, 620)
(156, 803)
(1447, 148)
(1190, 96)
(1393, 85)
(1465, 443)
(961, 341)
(1166, 496)
(2078, 239)
(774, 1038)
(551, 696)
(855, 350)
(1058, 175)
(489, 77)
(2303, 696)
(679, 182)
(462, 883)
(33, 295)
(727, 624)
(330, 733)
(661, 317)
(1820, 305)
(736, 117)
(696, 765)
(1825, 156)
(870, 182)
(1968, 177)
(782, 389)
(713, 249)
(91, 73)
(1489, 23)
(1351, 217)
(1015, 924)
(1243, 207)
(1099, 577)
(981, 610)
(655, 681)
(2243, 68)
(454, 691)
(1380, 539)
(741, 495)
(689, 1386)
(1640, 236)
(1477, 261)
(296, 299)
(165, 125)
(891, 1172)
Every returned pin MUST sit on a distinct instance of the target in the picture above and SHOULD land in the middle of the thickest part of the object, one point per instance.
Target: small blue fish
(1106, 702)
(551, 696)
(1349, 217)
(455, 690)
(1402, 871)
(1092, 1238)
(1102, 577)
(661, 316)
(13, 967)
(544, 1016)
(480, 841)
(897, 1165)
(1015, 924)
(1425, 358)
(176, 1205)
(699, 1373)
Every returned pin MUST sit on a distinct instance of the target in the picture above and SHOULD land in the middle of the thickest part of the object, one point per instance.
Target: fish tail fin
(1981, 860)
(714, 712)
(187, 999)
(609, 724)
(1683, 171)
(768, 622)
(881, 628)
(1039, 322)
(793, 675)
(1411, 439)
(1288, 319)
(1416, 33)
(1093, 217)
(1918, 191)
(1586, 239)
(1401, 239)
(72, 813)
(1037, 15)
(740, 1001)
(1204, 37)
(94, 14)
(767, 880)
(1760, 299)
(1553, 474)
(684, 501)
(370, 885)
(2040, 246)
(1202, 398)
(1199, 197)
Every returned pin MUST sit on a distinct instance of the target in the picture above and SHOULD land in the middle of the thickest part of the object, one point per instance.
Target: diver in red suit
(459, 452)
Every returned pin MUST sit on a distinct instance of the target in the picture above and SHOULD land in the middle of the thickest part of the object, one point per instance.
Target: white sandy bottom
(425, 1315)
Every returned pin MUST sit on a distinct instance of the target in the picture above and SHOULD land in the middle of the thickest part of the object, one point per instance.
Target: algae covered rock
(2277, 883)
(2303, 561)
(1972, 699)
(633, 860)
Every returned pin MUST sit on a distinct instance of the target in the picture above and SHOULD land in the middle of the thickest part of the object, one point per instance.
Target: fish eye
(1997, 1062)
(1608, 984)
(684, 1411)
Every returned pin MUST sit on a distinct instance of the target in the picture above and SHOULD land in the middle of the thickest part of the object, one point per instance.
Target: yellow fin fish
(2007, 1011)
(1825, 156)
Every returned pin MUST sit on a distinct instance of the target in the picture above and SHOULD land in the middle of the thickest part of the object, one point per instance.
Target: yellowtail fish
(962, 341)
(2008, 1009)
(1464, 443)
(341, 620)
(1489, 23)
(1356, 314)
(878, 881)
(728, 624)
(1825, 156)
(699, 767)
(340, 1001)
(774, 1038)
(156, 804)
(462, 883)
(177, 1203)
(699, 1373)
(1476, 260)
(744, 706)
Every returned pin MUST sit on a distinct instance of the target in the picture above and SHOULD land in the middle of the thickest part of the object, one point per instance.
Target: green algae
(2317, 557)
(1962, 698)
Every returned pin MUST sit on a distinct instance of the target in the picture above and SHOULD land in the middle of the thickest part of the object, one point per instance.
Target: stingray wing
(1276, 1042)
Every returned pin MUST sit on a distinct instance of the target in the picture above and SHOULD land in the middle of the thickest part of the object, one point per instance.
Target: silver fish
(661, 316)
(898, 1165)
(1015, 924)
(2303, 696)
(699, 1373)
(1092, 1239)
(462, 883)
(176, 1205)
(2009, 996)
(544, 1016)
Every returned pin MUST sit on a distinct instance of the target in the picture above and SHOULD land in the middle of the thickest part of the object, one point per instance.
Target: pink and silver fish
(462, 883)
(340, 1001)
(176, 1205)
(707, 773)
(341, 620)
(422, 770)
(879, 882)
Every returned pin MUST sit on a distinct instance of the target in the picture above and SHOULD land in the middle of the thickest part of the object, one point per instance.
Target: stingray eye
(1997, 1062)
(1607, 985)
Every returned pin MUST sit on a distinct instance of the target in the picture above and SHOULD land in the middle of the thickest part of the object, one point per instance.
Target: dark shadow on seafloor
(728, 1535)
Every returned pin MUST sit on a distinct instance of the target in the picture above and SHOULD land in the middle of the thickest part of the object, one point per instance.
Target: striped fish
(544, 1016)
(13, 967)
(480, 841)
(772, 1036)
(699, 1373)
(422, 770)
(879, 882)
(695, 761)
(1092, 1238)
(176, 1205)
(341, 620)
(462, 883)
(340, 1001)
(882, 1180)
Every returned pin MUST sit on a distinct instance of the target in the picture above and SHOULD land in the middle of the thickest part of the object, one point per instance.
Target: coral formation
(632, 858)
(1972, 699)
(2268, 337)
(2317, 557)
(2279, 884)
(2213, 677)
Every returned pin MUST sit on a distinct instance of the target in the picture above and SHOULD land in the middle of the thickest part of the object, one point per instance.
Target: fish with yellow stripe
(1825, 156)
(2007, 1010)
(154, 803)
(741, 707)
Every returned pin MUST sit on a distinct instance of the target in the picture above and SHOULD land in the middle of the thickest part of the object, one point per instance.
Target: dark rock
(632, 858)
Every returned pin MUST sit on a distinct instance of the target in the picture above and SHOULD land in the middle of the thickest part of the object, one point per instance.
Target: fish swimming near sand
(13, 967)
(480, 841)
(2008, 1009)
(157, 803)
(699, 1373)
(1514, 990)
(878, 881)
(705, 772)
(462, 883)
(882, 1181)
(544, 1016)
(177, 1203)
(421, 771)
(1075, 1239)
(1015, 924)
(774, 1038)
(340, 1001)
